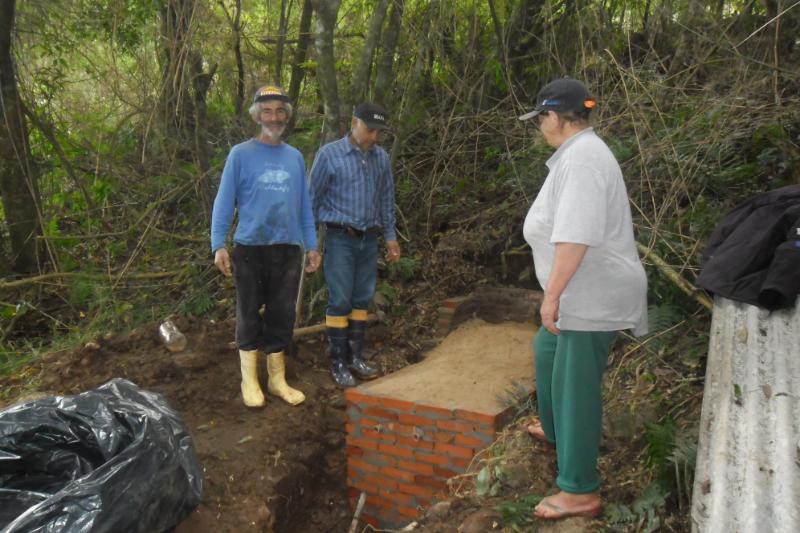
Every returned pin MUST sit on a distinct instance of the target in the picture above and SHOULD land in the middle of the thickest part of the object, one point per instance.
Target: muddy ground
(279, 468)
(283, 468)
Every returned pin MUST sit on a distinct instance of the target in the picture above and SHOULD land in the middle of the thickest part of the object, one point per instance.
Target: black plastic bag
(116, 458)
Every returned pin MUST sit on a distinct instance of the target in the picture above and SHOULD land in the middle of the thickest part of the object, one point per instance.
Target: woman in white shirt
(581, 233)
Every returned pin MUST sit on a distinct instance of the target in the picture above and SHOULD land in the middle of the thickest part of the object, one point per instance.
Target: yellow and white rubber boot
(251, 390)
(276, 366)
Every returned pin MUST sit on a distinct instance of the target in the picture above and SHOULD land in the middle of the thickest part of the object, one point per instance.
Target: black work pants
(266, 276)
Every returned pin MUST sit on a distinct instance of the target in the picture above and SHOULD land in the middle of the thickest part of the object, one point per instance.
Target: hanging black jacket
(753, 255)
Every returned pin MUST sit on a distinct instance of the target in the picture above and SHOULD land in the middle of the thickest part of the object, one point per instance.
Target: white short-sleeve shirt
(584, 201)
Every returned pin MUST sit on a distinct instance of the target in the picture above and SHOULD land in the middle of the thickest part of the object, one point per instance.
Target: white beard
(272, 133)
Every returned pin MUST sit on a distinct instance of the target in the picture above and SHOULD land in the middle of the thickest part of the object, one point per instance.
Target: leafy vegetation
(129, 109)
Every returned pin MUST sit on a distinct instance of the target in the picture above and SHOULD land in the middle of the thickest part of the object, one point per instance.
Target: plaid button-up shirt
(354, 188)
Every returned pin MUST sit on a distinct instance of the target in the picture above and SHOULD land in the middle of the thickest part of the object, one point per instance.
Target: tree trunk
(18, 182)
(360, 84)
(300, 53)
(501, 42)
(282, 27)
(327, 11)
(690, 20)
(236, 28)
(524, 31)
(201, 83)
(303, 38)
(385, 66)
(175, 104)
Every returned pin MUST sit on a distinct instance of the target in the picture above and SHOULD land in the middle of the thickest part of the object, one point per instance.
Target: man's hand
(313, 260)
(549, 312)
(223, 262)
(392, 251)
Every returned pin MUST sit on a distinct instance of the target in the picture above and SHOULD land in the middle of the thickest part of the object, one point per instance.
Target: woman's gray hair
(255, 109)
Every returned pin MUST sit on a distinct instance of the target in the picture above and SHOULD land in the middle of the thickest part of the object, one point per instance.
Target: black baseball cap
(373, 115)
(270, 92)
(563, 95)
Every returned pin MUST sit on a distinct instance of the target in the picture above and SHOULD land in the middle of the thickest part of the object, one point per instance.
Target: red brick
(433, 458)
(452, 303)
(377, 501)
(387, 514)
(409, 511)
(359, 398)
(353, 492)
(443, 436)
(443, 472)
(417, 468)
(416, 420)
(353, 451)
(349, 428)
(425, 492)
(398, 497)
(380, 481)
(364, 486)
(353, 473)
(367, 444)
(400, 475)
(464, 440)
(398, 405)
(363, 465)
(424, 502)
(452, 425)
(483, 418)
(428, 481)
(395, 450)
(461, 463)
(429, 409)
(372, 434)
(402, 429)
(454, 451)
(371, 520)
(414, 443)
(380, 413)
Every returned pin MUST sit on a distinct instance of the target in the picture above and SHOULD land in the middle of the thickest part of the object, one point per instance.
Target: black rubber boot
(337, 337)
(356, 362)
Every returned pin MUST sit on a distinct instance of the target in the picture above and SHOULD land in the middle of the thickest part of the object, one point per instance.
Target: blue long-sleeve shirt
(267, 183)
(353, 188)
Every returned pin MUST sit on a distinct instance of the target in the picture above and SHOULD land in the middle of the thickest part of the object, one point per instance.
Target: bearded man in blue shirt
(265, 179)
(353, 197)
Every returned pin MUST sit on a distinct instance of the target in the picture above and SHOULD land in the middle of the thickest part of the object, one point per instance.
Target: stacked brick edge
(402, 453)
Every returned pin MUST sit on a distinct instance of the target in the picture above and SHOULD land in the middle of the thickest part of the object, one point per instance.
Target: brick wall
(402, 453)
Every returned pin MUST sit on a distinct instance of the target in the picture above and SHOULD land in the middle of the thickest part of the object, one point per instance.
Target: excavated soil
(279, 468)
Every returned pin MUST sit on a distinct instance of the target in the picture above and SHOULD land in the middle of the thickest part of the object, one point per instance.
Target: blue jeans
(351, 267)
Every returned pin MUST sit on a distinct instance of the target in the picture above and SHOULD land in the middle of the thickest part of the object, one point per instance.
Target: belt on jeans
(351, 231)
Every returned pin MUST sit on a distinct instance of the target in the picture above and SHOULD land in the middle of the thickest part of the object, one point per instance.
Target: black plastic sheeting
(116, 459)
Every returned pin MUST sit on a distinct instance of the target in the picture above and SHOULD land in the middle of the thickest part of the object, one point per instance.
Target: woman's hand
(568, 257)
(549, 312)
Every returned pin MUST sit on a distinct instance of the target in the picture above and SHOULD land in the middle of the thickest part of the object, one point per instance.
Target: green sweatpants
(569, 373)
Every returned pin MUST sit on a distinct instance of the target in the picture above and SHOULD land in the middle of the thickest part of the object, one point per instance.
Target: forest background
(116, 119)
